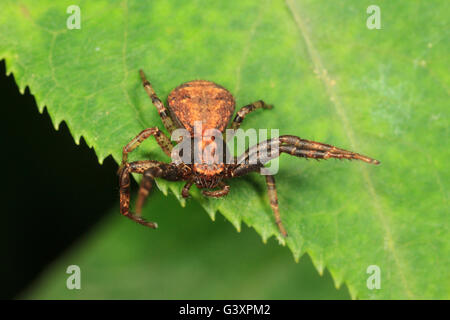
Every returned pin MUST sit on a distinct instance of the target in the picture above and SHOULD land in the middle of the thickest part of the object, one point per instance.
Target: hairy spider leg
(240, 115)
(161, 138)
(151, 170)
(223, 191)
(315, 154)
(245, 168)
(144, 190)
(162, 110)
(273, 198)
(185, 191)
(294, 146)
(124, 183)
(311, 149)
(300, 148)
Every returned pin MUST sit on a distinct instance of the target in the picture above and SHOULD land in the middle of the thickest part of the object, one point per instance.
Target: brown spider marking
(205, 102)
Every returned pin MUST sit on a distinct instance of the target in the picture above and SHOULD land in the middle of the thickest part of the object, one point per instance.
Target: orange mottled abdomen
(204, 101)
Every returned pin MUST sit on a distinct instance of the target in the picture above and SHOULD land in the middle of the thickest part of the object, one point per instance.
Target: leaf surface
(383, 93)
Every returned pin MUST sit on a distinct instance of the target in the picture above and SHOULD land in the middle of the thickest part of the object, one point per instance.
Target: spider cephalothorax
(203, 110)
(208, 175)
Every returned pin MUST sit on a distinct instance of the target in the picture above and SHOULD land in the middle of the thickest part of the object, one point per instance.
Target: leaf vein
(326, 80)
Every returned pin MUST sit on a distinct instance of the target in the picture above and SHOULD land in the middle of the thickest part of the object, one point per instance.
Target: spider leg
(315, 154)
(240, 115)
(218, 193)
(124, 183)
(310, 149)
(185, 191)
(260, 153)
(270, 149)
(162, 110)
(243, 169)
(150, 170)
(161, 138)
(272, 192)
(144, 189)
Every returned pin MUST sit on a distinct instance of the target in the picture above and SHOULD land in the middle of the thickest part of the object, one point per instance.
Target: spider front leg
(161, 138)
(124, 185)
(295, 146)
(267, 150)
(240, 115)
(150, 170)
(185, 191)
(310, 149)
(223, 191)
(162, 110)
(144, 190)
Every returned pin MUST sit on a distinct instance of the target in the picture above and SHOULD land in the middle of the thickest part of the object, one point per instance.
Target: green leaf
(383, 93)
(119, 261)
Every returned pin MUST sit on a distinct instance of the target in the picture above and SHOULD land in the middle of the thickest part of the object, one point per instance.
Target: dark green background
(49, 185)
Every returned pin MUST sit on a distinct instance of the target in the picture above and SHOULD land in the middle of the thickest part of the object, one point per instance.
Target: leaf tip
(337, 278)
(281, 240)
(211, 213)
(318, 262)
(353, 292)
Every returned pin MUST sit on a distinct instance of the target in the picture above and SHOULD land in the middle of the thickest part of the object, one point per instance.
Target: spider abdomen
(204, 101)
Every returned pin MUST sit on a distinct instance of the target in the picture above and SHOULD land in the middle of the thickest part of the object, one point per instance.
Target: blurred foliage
(383, 93)
(120, 260)
(46, 203)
